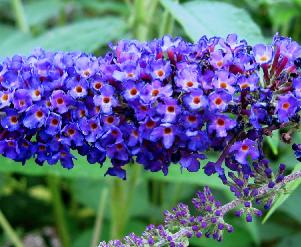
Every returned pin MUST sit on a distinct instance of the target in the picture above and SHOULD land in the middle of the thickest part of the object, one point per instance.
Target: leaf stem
(58, 210)
(20, 15)
(10, 231)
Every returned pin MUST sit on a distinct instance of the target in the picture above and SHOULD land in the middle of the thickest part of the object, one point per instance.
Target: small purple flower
(160, 69)
(169, 110)
(86, 66)
(53, 124)
(118, 151)
(224, 80)
(151, 92)
(22, 100)
(77, 88)
(187, 78)
(191, 120)
(60, 101)
(106, 99)
(243, 149)
(250, 82)
(218, 60)
(165, 131)
(11, 120)
(91, 129)
(36, 93)
(132, 90)
(10, 80)
(258, 115)
(9, 149)
(219, 100)
(220, 124)
(5, 99)
(72, 135)
(191, 161)
(286, 107)
(129, 72)
(263, 53)
(35, 116)
(195, 100)
(233, 43)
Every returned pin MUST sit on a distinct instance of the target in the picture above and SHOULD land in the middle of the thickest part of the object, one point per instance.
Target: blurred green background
(50, 206)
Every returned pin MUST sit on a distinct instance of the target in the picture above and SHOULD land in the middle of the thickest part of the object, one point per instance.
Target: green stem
(140, 24)
(118, 204)
(20, 15)
(58, 210)
(122, 197)
(167, 24)
(99, 217)
(10, 231)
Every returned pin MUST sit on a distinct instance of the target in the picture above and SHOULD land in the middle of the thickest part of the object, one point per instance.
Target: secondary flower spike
(159, 102)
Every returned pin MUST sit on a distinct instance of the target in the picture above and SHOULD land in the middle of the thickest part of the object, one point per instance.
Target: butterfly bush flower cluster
(158, 103)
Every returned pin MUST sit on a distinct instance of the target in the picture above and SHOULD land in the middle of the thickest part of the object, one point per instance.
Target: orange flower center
(220, 122)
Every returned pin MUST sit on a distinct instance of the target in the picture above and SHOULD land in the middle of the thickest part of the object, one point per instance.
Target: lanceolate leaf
(283, 196)
(86, 36)
(213, 18)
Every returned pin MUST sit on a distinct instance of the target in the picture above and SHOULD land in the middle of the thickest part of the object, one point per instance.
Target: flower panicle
(159, 102)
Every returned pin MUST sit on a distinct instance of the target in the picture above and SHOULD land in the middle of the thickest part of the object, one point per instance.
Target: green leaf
(105, 7)
(291, 241)
(213, 18)
(86, 36)
(39, 12)
(81, 168)
(290, 187)
(175, 175)
(87, 191)
(273, 141)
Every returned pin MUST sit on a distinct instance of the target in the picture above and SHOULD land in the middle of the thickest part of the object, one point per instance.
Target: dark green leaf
(213, 18)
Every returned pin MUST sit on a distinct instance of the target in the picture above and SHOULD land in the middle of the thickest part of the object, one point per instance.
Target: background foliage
(50, 206)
